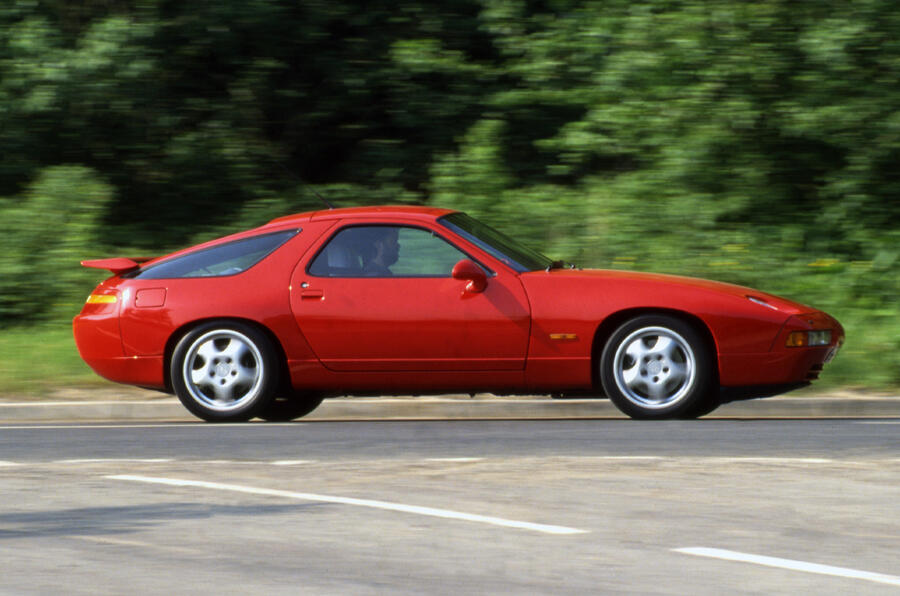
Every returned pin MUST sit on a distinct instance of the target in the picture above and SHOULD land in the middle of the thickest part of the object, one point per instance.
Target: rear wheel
(658, 366)
(224, 371)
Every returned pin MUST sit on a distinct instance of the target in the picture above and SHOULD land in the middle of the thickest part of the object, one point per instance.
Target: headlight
(806, 339)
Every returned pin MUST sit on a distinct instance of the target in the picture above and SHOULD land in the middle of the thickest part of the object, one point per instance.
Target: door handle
(312, 294)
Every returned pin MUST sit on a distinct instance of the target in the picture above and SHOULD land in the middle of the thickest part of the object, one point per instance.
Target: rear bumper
(143, 371)
(100, 346)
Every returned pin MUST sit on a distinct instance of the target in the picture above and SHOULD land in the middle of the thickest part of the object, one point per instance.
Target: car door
(406, 312)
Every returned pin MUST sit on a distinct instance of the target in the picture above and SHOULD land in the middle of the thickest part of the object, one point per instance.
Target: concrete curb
(450, 408)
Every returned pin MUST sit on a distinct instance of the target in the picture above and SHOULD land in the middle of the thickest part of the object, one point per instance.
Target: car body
(269, 321)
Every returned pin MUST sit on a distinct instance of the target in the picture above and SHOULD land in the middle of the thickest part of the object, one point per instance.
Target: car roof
(297, 220)
(406, 211)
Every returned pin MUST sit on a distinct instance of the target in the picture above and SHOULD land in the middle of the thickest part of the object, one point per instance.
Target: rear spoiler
(117, 265)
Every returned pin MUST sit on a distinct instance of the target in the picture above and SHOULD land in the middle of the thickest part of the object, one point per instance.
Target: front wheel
(657, 366)
(224, 371)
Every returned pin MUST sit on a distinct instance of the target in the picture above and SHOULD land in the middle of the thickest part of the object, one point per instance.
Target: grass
(34, 360)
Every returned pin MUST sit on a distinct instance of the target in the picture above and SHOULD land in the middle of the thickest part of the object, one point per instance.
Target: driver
(382, 250)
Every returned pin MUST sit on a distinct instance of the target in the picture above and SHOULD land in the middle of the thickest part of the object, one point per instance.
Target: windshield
(498, 245)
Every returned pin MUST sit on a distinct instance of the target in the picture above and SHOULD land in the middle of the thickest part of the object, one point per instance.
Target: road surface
(522, 507)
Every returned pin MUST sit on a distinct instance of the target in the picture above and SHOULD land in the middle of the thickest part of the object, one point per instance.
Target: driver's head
(381, 245)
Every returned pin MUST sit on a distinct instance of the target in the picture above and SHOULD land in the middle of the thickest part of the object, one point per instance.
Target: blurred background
(756, 143)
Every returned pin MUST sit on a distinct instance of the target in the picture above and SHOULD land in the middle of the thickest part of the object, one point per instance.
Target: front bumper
(783, 365)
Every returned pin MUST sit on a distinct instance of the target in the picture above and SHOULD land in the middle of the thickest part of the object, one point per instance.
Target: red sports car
(391, 300)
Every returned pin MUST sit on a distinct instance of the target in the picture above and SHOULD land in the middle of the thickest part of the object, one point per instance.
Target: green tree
(42, 237)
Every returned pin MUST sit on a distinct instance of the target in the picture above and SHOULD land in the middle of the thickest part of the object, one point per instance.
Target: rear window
(219, 261)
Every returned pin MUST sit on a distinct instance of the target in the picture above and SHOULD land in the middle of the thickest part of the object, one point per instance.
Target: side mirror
(466, 270)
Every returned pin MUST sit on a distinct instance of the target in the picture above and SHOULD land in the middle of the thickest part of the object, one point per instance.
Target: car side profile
(396, 300)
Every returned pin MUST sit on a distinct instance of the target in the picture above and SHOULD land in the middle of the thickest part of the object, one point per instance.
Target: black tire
(704, 406)
(658, 367)
(225, 371)
(290, 407)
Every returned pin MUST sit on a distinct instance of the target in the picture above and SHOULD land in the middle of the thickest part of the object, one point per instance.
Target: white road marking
(455, 459)
(227, 462)
(416, 510)
(772, 460)
(791, 564)
(8, 463)
(292, 462)
(710, 459)
(629, 457)
(115, 460)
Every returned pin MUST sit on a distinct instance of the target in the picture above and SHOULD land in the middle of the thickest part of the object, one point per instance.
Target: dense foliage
(749, 142)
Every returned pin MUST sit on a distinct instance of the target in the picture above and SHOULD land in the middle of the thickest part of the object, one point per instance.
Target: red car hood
(659, 284)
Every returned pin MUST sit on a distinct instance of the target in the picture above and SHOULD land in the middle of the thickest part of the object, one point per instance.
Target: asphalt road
(524, 507)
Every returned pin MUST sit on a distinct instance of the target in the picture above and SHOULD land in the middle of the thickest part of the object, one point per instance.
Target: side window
(225, 259)
(422, 253)
(385, 251)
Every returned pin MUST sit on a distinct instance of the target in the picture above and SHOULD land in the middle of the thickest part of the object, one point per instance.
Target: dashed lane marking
(791, 564)
(292, 462)
(771, 460)
(455, 459)
(115, 460)
(224, 462)
(629, 457)
(400, 507)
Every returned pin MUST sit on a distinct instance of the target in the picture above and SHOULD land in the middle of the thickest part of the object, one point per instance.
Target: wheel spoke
(201, 376)
(657, 391)
(637, 350)
(631, 375)
(245, 375)
(664, 346)
(207, 351)
(235, 350)
(224, 393)
(678, 372)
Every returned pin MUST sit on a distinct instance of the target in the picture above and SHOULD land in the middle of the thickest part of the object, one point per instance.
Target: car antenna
(297, 178)
(323, 199)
